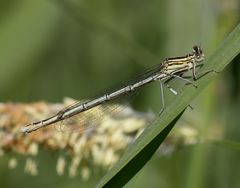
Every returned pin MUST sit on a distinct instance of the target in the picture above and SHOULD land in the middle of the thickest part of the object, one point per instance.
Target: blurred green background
(51, 49)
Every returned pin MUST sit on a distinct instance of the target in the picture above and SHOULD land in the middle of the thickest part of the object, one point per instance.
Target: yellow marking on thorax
(179, 64)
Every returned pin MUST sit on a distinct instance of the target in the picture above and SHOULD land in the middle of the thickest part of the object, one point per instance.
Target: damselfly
(170, 68)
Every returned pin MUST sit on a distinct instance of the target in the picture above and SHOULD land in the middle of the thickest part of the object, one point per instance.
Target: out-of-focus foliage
(51, 49)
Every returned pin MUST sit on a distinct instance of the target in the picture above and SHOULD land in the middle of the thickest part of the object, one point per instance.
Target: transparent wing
(89, 120)
(92, 118)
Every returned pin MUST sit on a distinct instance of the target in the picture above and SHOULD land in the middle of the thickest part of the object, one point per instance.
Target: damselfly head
(198, 53)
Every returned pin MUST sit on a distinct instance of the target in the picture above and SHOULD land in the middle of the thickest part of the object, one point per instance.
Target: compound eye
(197, 50)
